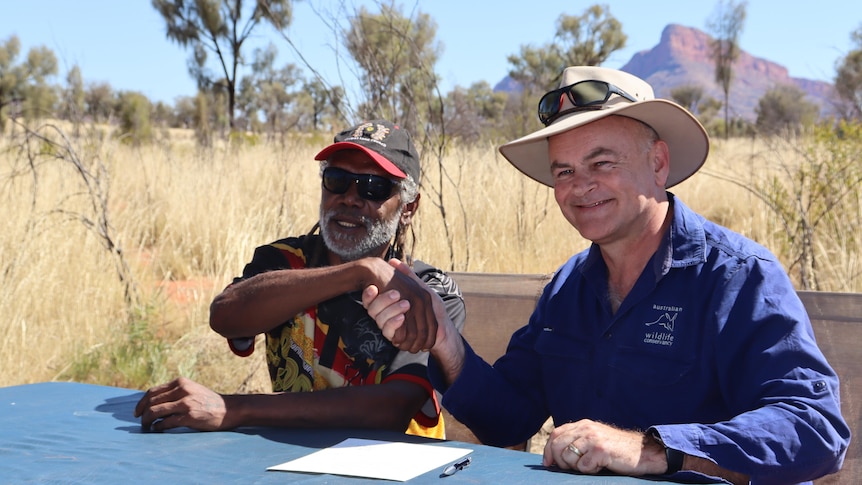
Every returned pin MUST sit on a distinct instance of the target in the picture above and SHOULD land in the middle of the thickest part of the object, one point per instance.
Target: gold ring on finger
(574, 449)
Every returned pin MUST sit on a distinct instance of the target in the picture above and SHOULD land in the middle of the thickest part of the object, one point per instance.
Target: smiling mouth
(594, 204)
(347, 225)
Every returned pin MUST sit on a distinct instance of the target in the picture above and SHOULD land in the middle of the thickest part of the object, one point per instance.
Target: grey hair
(409, 189)
(648, 136)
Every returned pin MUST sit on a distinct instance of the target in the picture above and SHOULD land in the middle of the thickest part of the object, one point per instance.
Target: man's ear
(409, 210)
(660, 162)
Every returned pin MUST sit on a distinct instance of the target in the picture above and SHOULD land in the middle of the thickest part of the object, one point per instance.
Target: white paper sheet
(375, 459)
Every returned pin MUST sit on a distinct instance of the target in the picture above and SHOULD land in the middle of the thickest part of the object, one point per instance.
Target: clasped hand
(406, 310)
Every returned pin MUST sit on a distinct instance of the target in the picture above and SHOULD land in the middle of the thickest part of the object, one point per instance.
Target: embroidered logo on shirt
(665, 317)
(665, 320)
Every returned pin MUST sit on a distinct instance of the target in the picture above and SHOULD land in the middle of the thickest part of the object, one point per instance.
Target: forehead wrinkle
(597, 152)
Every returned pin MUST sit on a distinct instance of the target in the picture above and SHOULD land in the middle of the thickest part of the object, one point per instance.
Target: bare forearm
(267, 300)
(382, 406)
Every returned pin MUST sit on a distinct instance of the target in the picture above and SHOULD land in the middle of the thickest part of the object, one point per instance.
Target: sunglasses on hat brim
(370, 187)
(583, 95)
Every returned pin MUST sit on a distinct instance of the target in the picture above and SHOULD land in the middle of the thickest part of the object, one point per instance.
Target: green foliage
(816, 198)
(690, 96)
(220, 28)
(474, 113)
(726, 25)
(590, 38)
(132, 357)
(716, 127)
(39, 102)
(135, 125)
(580, 40)
(708, 114)
(202, 116)
(784, 109)
(326, 104)
(241, 138)
(848, 80)
(269, 91)
(99, 102)
(205, 114)
(397, 56)
(162, 114)
(72, 107)
(25, 84)
(536, 69)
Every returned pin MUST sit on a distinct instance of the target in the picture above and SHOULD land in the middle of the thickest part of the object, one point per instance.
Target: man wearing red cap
(304, 292)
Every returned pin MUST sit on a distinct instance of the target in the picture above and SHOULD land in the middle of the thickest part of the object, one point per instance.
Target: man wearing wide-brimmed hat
(672, 345)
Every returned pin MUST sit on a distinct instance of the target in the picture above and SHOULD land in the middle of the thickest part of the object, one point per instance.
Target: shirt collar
(683, 245)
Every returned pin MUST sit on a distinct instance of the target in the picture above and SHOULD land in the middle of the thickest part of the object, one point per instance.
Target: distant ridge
(682, 57)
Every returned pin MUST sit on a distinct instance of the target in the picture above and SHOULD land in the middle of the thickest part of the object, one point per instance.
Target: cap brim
(382, 161)
(687, 141)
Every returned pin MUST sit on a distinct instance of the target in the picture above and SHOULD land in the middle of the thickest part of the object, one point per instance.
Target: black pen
(460, 465)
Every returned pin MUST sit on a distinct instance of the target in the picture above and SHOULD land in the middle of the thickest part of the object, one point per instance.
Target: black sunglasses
(584, 94)
(368, 186)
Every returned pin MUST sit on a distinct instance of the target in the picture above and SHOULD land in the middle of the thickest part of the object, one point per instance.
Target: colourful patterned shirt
(336, 343)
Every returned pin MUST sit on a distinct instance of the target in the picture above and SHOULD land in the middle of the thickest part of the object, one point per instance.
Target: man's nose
(582, 183)
(352, 196)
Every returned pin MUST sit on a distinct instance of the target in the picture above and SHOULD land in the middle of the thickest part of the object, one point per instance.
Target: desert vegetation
(112, 251)
(123, 218)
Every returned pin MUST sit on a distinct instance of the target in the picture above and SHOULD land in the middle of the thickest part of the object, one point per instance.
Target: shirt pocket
(654, 368)
(567, 372)
(560, 350)
(666, 384)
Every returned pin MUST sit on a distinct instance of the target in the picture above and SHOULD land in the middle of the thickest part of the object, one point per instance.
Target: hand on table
(182, 402)
(589, 447)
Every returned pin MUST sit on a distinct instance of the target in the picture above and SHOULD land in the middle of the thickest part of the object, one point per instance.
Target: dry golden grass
(188, 220)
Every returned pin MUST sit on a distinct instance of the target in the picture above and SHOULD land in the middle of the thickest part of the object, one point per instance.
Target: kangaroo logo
(665, 320)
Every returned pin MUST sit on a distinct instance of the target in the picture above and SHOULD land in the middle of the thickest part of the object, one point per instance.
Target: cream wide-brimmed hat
(686, 139)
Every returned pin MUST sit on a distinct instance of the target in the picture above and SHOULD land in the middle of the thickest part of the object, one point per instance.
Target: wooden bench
(499, 304)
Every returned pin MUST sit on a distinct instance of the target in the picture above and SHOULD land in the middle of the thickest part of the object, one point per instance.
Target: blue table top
(60, 432)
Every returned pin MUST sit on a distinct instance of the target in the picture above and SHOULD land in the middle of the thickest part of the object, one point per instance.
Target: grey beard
(379, 233)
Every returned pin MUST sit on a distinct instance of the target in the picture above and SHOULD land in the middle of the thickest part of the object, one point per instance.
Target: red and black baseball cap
(385, 142)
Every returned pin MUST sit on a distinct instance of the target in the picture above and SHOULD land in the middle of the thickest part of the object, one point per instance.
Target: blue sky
(122, 42)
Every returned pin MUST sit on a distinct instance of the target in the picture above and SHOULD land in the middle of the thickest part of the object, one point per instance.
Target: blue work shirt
(712, 348)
